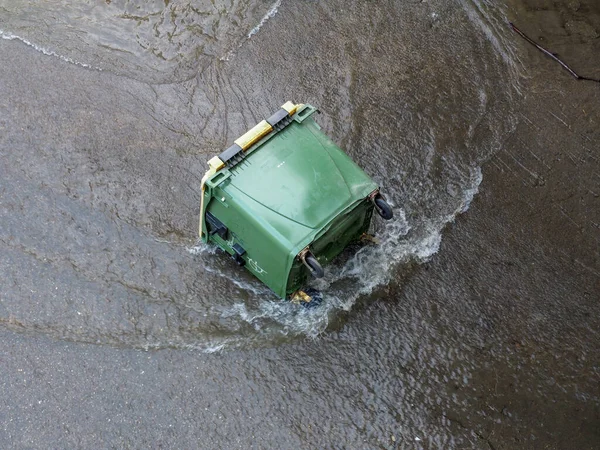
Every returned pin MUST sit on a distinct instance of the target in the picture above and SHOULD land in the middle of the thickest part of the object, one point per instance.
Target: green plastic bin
(284, 201)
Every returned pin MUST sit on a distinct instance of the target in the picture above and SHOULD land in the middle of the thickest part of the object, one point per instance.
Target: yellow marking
(290, 108)
(301, 296)
(209, 173)
(254, 135)
(216, 163)
(245, 142)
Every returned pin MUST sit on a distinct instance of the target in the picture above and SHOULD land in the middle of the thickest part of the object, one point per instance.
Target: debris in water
(550, 54)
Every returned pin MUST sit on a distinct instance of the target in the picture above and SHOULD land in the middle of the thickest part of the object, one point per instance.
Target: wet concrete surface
(492, 342)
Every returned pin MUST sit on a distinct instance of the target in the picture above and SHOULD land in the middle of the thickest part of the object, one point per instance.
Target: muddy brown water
(109, 112)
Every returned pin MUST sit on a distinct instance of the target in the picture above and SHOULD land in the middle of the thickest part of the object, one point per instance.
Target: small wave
(269, 15)
(491, 18)
(200, 248)
(12, 37)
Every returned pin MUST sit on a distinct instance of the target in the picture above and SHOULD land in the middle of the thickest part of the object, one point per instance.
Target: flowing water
(98, 232)
(482, 333)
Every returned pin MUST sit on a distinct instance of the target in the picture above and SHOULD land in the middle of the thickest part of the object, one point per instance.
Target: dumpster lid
(301, 175)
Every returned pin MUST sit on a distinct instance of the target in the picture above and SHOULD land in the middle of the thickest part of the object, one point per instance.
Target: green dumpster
(284, 201)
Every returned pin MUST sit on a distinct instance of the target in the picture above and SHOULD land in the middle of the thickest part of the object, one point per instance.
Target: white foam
(470, 193)
(201, 248)
(269, 15)
(214, 349)
(11, 37)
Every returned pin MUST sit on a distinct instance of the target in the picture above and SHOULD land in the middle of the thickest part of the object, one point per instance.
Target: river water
(105, 138)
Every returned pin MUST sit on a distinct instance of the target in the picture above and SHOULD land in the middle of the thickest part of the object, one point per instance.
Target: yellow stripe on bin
(290, 108)
(254, 135)
(216, 163)
(245, 142)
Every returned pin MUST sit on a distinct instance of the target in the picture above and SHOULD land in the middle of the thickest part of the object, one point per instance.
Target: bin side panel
(267, 251)
(344, 230)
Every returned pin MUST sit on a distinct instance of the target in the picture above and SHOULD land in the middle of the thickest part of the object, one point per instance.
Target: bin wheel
(383, 208)
(316, 269)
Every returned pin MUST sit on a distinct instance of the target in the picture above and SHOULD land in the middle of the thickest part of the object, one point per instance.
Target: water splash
(273, 10)
(368, 269)
(269, 15)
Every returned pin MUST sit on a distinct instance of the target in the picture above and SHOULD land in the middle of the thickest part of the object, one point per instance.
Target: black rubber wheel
(315, 268)
(383, 208)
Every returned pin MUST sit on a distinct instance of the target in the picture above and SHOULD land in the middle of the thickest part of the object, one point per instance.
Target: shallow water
(98, 234)
(485, 146)
(153, 41)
